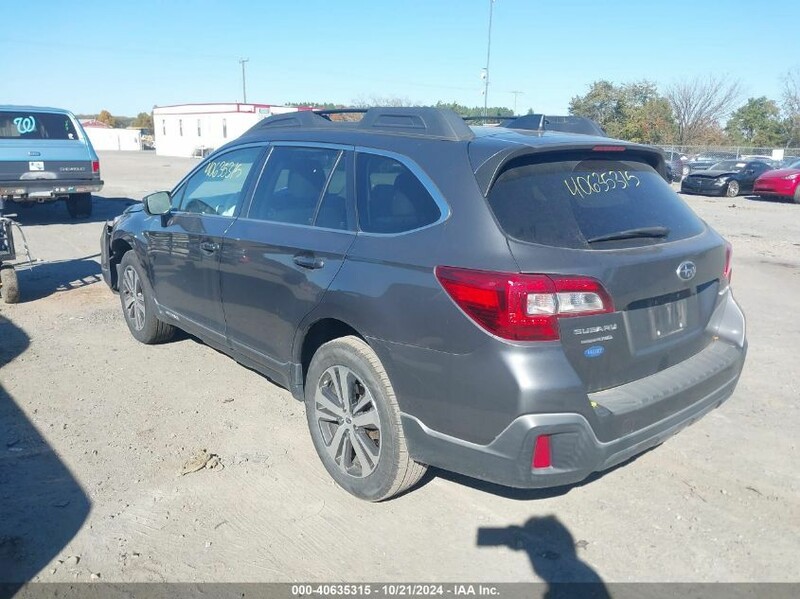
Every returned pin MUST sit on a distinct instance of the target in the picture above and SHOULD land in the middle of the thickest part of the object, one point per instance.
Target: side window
(218, 187)
(292, 183)
(390, 197)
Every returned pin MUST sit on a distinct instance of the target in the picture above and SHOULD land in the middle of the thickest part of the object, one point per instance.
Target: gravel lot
(95, 430)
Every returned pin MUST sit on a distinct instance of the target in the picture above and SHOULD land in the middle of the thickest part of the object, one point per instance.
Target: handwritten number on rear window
(594, 183)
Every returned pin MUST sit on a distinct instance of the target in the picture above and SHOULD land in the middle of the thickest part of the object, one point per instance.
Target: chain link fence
(732, 151)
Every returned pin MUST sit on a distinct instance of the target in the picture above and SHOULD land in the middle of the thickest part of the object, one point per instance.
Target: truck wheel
(138, 306)
(354, 421)
(9, 286)
(79, 205)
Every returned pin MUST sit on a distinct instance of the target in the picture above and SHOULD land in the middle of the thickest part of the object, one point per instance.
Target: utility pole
(516, 93)
(486, 70)
(244, 81)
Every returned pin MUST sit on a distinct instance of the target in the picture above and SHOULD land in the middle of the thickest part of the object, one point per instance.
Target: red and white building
(197, 129)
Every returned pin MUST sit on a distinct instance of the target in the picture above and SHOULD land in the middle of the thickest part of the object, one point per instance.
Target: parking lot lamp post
(486, 70)
(244, 83)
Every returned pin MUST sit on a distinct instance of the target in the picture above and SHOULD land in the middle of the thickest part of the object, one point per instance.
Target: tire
(138, 306)
(79, 205)
(797, 195)
(9, 285)
(732, 190)
(360, 441)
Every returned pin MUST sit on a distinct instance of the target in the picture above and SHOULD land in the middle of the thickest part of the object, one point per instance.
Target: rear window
(36, 125)
(576, 200)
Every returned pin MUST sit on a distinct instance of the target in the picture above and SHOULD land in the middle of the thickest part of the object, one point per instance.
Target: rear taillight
(727, 273)
(95, 166)
(522, 307)
(541, 452)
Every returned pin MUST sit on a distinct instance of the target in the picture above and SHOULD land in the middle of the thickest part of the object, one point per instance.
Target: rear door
(280, 257)
(612, 217)
(183, 247)
(42, 145)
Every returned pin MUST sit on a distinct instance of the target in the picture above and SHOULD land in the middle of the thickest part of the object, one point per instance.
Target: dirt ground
(96, 428)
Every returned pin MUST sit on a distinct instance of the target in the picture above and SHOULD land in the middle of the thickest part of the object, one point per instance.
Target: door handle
(209, 247)
(309, 261)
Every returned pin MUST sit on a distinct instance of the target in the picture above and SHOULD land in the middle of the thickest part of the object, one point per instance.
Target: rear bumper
(575, 448)
(35, 189)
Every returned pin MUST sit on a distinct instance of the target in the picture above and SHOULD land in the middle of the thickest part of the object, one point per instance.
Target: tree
(105, 117)
(632, 111)
(699, 105)
(757, 122)
(143, 120)
(791, 106)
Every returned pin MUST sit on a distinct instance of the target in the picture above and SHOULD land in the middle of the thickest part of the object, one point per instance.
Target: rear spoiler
(487, 171)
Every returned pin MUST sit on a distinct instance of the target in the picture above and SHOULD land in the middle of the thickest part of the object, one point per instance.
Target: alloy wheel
(133, 298)
(345, 412)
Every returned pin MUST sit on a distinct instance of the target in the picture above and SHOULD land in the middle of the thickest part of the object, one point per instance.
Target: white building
(104, 137)
(197, 129)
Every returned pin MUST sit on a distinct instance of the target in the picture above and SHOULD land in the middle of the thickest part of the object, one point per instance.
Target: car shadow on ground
(42, 506)
(42, 279)
(552, 551)
(55, 213)
(769, 200)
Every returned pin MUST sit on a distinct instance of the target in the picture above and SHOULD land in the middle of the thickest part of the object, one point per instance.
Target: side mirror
(158, 203)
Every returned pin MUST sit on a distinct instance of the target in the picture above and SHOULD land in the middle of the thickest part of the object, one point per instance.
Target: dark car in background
(780, 183)
(523, 307)
(677, 164)
(725, 178)
(702, 162)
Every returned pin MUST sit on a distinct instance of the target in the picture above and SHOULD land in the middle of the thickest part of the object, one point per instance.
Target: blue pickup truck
(45, 155)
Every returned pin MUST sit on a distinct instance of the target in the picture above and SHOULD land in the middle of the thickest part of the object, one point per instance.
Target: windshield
(588, 201)
(36, 125)
(794, 165)
(728, 165)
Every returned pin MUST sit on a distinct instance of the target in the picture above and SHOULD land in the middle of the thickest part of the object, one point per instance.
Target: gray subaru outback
(522, 307)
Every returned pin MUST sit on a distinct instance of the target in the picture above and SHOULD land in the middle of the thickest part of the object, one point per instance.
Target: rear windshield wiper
(656, 232)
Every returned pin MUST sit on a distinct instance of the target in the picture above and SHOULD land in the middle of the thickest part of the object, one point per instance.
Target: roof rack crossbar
(422, 121)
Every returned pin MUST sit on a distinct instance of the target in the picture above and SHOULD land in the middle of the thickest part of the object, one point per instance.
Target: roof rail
(422, 121)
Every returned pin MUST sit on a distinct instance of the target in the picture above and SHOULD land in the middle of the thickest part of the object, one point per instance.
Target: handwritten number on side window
(594, 183)
(224, 170)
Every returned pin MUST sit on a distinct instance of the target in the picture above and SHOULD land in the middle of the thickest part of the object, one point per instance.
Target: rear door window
(584, 201)
(36, 125)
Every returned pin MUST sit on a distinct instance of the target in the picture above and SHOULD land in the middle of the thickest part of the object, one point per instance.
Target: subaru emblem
(686, 271)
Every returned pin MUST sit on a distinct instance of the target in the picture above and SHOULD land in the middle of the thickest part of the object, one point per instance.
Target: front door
(184, 246)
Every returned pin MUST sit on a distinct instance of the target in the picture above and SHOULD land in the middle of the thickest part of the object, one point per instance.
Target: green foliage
(758, 123)
(632, 111)
(105, 117)
(143, 120)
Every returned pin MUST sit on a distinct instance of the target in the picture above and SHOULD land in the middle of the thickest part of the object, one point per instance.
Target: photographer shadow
(552, 551)
(42, 505)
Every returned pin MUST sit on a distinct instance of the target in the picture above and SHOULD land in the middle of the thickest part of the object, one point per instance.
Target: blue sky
(128, 56)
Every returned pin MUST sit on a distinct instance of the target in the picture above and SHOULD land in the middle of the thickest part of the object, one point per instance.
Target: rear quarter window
(36, 125)
(565, 200)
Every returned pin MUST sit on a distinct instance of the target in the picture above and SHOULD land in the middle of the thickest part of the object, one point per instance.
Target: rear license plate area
(669, 319)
